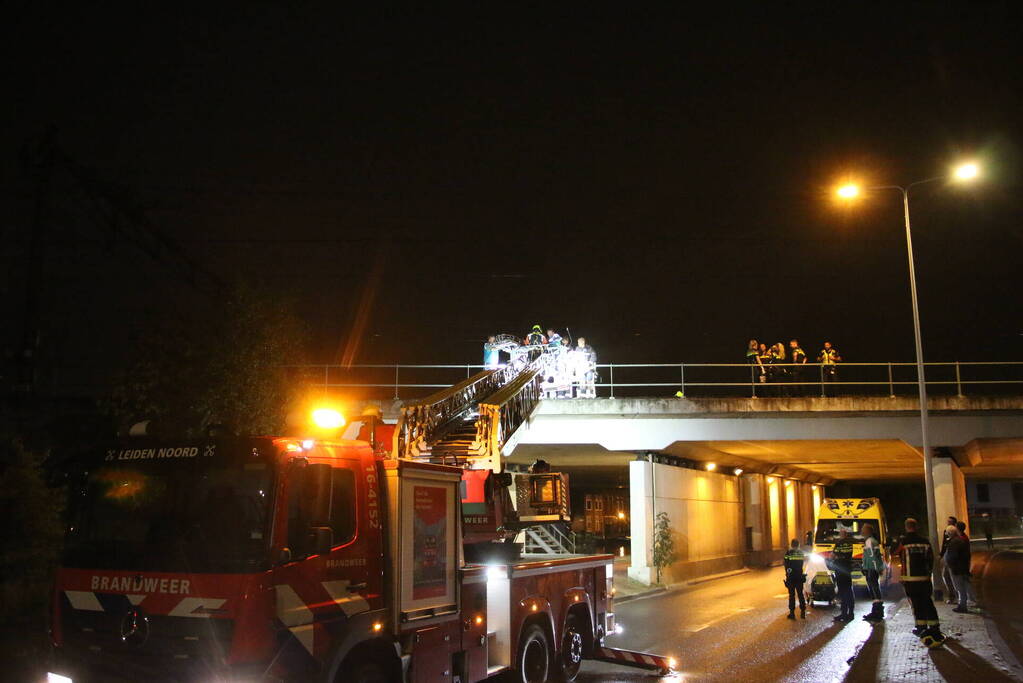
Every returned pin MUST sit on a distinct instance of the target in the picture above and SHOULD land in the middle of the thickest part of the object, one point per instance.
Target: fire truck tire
(534, 659)
(570, 655)
(372, 663)
(369, 671)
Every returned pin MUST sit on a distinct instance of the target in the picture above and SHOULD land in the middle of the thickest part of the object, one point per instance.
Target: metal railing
(423, 420)
(548, 540)
(958, 378)
(505, 411)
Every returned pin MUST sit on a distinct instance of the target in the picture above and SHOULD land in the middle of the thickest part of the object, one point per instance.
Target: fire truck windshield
(212, 518)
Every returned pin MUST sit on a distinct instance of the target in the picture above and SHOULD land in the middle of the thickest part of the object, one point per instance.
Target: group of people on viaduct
(788, 371)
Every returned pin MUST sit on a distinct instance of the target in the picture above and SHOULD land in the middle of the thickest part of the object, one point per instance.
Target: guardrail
(958, 378)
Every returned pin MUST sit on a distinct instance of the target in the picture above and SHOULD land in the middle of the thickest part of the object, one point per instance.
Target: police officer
(795, 578)
(917, 558)
(829, 357)
(840, 562)
(796, 370)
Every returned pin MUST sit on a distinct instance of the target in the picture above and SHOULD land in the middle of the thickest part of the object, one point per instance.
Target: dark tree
(223, 366)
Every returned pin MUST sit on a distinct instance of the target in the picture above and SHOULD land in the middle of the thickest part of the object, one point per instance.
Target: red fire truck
(273, 559)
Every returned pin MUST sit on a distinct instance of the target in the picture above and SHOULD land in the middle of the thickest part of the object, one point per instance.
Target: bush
(664, 544)
(31, 519)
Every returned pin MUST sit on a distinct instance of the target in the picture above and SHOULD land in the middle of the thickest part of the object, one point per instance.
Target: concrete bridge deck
(813, 439)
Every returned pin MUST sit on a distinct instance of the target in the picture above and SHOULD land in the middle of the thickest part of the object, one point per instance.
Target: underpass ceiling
(811, 460)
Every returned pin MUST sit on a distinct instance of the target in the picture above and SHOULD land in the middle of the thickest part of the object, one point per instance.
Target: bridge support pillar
(641, 516)
(705, 517)
(949, 493)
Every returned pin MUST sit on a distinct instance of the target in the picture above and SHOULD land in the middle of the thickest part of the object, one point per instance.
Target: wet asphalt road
(735, 629)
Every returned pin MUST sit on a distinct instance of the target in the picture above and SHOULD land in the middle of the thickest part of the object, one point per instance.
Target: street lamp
(963, 172)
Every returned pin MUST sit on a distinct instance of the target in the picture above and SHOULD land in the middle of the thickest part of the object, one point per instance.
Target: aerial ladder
(472, 425)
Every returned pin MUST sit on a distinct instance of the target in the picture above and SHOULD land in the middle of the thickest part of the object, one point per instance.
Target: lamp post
(964, 172)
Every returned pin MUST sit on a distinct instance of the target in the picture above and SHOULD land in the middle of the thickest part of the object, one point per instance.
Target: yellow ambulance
(849, 514)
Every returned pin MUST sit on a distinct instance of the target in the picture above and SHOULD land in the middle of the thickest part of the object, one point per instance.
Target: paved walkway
(893, 653)
(974, 651)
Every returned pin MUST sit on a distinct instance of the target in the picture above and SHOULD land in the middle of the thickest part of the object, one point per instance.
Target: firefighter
(795, 577)
(535, 337)
(917, 558)
(829, 359)
(840, 563)
(796, 374)
(873, 567)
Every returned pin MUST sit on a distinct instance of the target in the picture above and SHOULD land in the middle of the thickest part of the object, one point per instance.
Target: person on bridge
(777, 373)
(796, 374)
(841, 563)
(873, 568)
(586, 369)
(829, 359)
(535, 337)
(491, 353)
(756, 374)
(553, 339)
(795, 578)
(958, 558)
(917, 558)
(753, 356)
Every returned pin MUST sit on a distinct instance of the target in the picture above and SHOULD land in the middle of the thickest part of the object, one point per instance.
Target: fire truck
(317, 558)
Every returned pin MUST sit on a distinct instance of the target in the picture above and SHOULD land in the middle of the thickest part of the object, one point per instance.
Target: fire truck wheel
(369, 672)
(534, 661)
(570, 658)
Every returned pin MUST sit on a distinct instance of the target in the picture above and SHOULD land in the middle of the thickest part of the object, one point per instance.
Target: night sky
(658, 183)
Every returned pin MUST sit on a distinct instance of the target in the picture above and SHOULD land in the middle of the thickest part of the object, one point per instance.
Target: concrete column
(753, 509)
(641, 521)
(949, 493)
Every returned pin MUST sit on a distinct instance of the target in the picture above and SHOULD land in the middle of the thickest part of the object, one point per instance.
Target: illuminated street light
(967, 171)
(963, 172)
(848, 191)
(711, 467)
(737, 471)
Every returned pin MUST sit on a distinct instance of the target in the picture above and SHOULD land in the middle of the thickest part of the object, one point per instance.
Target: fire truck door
(328, 580)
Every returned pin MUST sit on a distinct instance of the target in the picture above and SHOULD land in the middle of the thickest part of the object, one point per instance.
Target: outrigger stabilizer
(640, 660)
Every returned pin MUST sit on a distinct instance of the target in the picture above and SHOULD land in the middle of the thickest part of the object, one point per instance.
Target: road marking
(782, 595)
(700, 627)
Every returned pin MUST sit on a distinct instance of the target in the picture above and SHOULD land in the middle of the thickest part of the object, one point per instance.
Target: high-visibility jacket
(828, 356)
(917, 557)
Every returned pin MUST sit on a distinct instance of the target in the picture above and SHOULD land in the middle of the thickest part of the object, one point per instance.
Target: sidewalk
(893, 653)
(627, 589)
